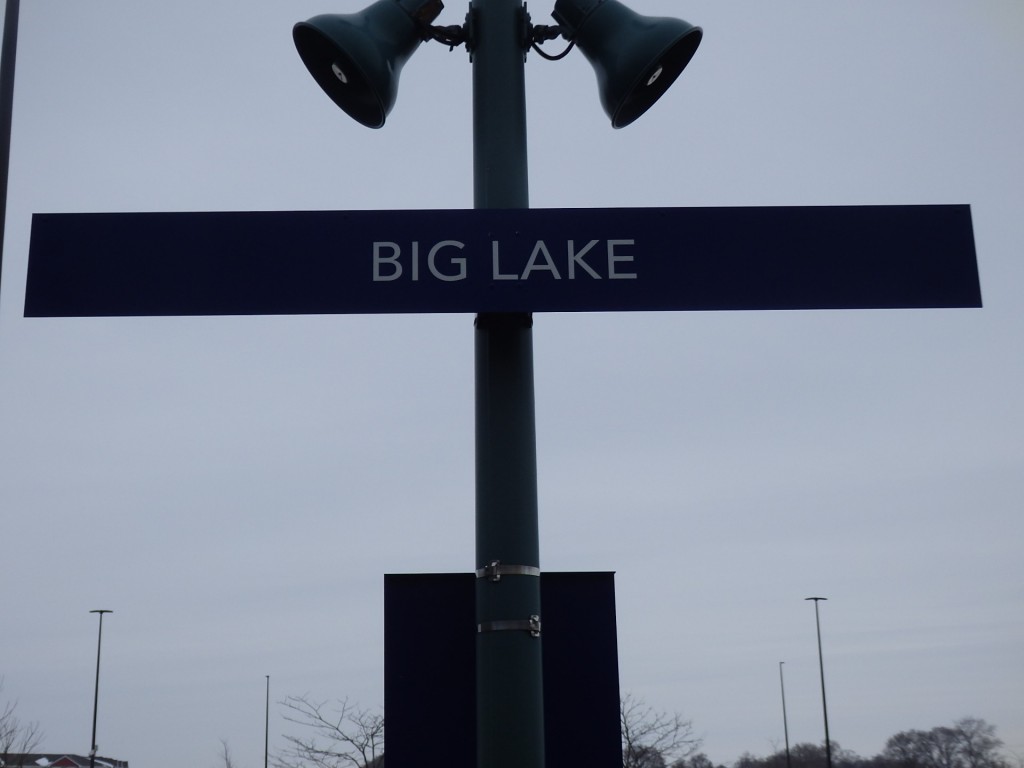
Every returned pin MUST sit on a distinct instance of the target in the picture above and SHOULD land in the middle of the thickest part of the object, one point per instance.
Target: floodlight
(636, 57)
(357, 57)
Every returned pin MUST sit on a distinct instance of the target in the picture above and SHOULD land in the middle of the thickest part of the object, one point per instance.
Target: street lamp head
(636, 58)
(357, 57)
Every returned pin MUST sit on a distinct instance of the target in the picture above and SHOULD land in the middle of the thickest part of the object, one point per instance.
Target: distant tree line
(343, 735)
(969, 743)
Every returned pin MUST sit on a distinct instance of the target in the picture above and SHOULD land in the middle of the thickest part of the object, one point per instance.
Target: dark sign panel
(430, 670)
(536, 260)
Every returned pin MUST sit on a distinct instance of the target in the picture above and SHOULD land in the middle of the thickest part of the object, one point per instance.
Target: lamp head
(636, 58)
(357, 57)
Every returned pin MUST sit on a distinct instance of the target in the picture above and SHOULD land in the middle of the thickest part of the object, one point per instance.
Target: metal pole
(8, 57)
(96, 695)
(266, 729)
(509, 682)
(785, 723)
(821, 667)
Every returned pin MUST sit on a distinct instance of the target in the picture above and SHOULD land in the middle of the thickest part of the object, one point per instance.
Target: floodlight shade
(357, 57)
(636, 58)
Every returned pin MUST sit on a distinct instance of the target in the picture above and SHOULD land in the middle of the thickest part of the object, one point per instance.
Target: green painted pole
(509, 687)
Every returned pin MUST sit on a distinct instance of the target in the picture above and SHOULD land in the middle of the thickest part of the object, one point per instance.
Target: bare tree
(978, 744)
(652, 739)
(16, 737)
(970, 743)
(341, 735)
(225, 754)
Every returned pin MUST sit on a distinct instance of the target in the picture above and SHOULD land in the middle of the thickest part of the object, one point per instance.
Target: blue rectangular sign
(530, 260)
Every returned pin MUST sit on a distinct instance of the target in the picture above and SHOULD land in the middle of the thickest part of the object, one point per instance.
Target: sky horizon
(235, 488)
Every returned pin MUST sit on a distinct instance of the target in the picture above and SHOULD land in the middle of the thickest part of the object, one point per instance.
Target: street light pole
(266, 728)
(8, 57)
(821, 667)
(96, 695)
(785, 723)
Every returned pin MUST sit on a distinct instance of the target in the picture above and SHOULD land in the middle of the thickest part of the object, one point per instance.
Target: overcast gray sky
(235, 488)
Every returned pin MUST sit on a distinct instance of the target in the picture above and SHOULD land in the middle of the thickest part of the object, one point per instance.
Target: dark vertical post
(509, 684)
(785, 722)
(266, 728)
(821, 667)
(96, 695)
(8, 57)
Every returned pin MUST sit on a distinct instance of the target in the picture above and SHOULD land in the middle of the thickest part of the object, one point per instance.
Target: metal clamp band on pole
(531, 625)
(495, 570)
